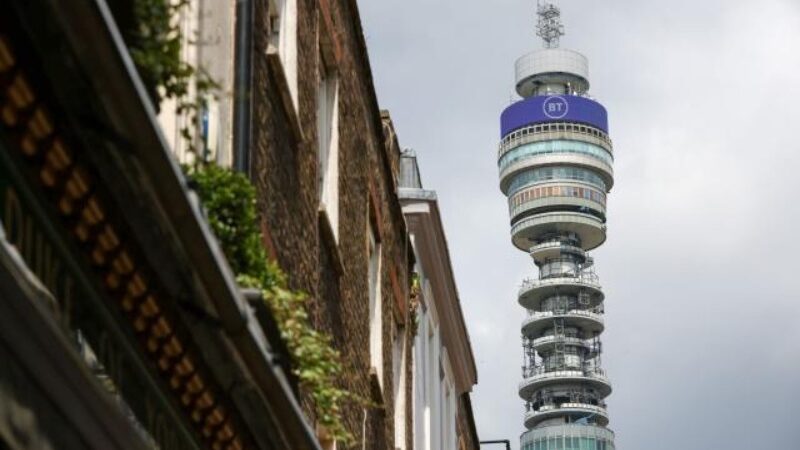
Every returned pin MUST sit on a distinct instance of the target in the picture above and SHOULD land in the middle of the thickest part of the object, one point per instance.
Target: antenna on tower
(549, 27)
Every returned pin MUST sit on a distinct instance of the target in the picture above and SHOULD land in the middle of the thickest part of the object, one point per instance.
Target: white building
(444, 366)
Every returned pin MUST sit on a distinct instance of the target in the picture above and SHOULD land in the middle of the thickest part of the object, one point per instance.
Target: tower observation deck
(555, 161)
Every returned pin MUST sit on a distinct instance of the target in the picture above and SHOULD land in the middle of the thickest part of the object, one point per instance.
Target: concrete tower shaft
(556, 169)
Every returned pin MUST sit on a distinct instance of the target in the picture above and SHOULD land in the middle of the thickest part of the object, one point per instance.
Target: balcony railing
(588, 279)
(595, 313)
(540, 372)
(563, 247)
(566, 340)
(598, 413)
(532, 133)
(599, 408)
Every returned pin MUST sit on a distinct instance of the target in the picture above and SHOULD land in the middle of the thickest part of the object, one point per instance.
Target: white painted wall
(434, 396)
(208, 28)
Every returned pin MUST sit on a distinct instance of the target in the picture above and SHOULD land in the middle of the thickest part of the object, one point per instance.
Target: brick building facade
(324, 255)
(325, 161)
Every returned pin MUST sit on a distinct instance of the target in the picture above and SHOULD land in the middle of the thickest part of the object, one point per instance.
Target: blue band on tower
(553, 108)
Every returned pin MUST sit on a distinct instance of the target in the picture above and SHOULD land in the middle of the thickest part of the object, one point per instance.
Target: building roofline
(430, 226)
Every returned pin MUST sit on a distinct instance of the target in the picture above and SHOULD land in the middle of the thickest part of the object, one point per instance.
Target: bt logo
(555, 107)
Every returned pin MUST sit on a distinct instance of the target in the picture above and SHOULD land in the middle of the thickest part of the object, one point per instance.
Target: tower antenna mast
(549, 26)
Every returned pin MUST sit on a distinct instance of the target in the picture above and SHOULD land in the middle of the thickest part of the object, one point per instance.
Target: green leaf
(229, 201)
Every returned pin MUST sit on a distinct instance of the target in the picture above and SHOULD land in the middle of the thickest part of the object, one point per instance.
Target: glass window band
(555, 146)
(557, 191)
(520, 134)
(554, 173)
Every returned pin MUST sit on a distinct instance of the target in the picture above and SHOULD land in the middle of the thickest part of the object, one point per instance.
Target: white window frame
(399, 386)
(328, 145)
(375, 305)
(283, 36)
(420, 382)
(447, 402)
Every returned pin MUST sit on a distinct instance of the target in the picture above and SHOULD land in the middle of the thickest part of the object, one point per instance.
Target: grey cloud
(702, 341)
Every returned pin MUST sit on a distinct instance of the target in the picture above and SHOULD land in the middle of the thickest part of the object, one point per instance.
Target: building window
(375, 306)
(399, 386)
(328, 145)
(420, 383)
(283, 36)
(432, 390)
(448, 416)
(210, 122)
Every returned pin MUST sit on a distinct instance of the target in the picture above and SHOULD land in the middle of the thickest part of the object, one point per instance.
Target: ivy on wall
(152, 32)
(414, 303)
(230, 202)
(155, 43)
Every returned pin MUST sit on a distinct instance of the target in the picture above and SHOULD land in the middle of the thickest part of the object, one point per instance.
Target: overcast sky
(701, 265)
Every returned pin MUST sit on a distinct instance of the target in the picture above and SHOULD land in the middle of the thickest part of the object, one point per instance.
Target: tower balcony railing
(588, 279)
(552, 131)
(536, 379)
(582, 273)
(595, 313)
(597, 412)
(540, 372)
(559, 247)
(591, 323)
(600, 406)
(592, 349)
(591, 228)
(551, 340)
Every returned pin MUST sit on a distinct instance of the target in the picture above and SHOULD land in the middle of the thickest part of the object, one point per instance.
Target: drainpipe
(242, 85)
